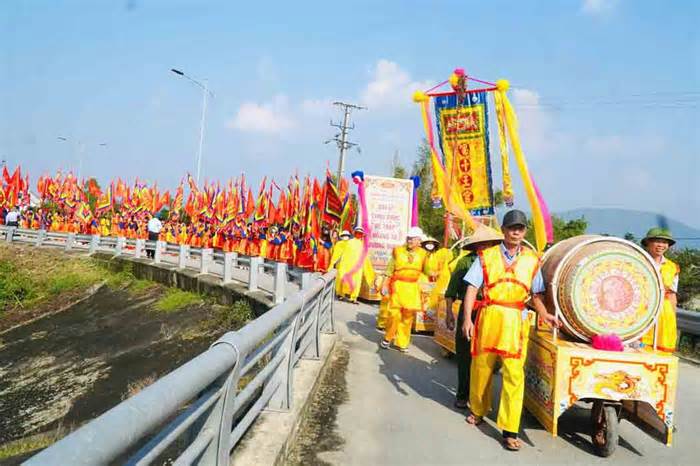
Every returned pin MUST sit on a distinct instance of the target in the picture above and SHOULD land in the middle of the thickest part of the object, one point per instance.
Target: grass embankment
(34, 282)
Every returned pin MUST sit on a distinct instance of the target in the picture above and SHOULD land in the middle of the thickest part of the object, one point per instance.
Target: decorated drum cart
(601, 285)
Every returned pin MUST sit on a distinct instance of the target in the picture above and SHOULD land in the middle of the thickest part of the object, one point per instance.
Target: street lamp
(81, 152)
(205, 92)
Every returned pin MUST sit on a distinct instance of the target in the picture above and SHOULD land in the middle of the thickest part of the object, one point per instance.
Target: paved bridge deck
(399, 411)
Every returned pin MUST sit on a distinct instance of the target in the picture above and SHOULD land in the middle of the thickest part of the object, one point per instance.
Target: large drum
(602, 285)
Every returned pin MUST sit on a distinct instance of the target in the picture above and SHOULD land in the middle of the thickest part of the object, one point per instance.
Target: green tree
(689, 281)
(562, 229)
(397, 168)
(630, 237)
(432, 220)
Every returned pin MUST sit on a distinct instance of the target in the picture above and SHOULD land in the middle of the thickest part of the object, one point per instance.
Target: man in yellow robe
(350, 272)
(405, 267)
(657, 242)
(507, 274)
(336, 254)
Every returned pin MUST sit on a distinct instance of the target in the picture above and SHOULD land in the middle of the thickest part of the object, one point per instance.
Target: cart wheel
(445, 353)
(604, 435)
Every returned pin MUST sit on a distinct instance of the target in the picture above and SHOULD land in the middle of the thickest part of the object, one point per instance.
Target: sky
(606, 91)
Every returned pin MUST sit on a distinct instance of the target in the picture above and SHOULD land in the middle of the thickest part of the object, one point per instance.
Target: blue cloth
(475, 275)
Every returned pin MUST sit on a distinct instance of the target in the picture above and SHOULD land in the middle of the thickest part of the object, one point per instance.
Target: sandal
(474, 420)
(512, 444)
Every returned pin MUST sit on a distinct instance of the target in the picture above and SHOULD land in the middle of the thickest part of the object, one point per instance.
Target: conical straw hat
(481, 234)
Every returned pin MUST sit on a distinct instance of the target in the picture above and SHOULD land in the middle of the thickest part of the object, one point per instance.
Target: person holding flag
(351, 269)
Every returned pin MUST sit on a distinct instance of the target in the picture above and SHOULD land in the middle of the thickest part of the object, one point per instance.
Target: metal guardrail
(202, 260)
(688, 321)
(205, 406)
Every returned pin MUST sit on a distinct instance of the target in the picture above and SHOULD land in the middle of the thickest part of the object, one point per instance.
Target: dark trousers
(151, 253)
(464, 358)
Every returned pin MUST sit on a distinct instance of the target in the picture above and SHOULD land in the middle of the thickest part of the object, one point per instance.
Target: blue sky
(607, 91)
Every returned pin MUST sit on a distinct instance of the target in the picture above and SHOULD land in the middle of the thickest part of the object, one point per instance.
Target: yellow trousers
(383, 314)
(398, 325)
(512, 391)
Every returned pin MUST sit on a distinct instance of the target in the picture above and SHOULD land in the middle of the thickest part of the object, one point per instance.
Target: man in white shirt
(154, 227)
(12, 218)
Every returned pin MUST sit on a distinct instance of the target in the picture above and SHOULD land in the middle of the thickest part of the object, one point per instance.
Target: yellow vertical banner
(464, 140)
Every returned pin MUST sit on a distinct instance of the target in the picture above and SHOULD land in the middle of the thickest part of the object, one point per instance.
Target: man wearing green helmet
(656, 242)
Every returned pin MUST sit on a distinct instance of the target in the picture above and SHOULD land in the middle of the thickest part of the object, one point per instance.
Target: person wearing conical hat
(350, 271)
(482, 237)
(507, 275)
(405, 267)
(656, 242)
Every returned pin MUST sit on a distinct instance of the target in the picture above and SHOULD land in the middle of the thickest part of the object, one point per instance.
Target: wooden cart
(636, 384)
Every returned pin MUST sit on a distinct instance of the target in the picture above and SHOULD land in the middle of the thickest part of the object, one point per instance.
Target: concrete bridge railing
(201, 260)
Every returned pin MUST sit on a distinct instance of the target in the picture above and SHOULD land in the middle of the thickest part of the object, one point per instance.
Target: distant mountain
(617, 222)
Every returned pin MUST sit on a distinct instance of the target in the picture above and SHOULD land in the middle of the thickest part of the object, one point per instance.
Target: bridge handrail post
(314, 349)
(281, 400)
(139, 248)
(9, 233)
(254, 273)
(70, 241)
(183, 255)
(119, 247)
(328, 294)
(280, 281)
(205, 260)
(40, 236)
(158, 253)
(306, 279)
(94, 244)
(230, 261)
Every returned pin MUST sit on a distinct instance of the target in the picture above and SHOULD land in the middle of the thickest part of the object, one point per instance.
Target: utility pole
(341, 139)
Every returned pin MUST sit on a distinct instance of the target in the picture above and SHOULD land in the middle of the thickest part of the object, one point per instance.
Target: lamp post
(205, 92)
(81, 152)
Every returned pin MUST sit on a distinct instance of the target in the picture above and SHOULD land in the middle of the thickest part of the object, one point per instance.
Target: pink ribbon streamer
(358, 179)
(546, 217)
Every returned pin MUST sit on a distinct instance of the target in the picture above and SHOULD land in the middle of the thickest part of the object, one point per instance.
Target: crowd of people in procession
(498, 278)
(494, 273)
(299, 229)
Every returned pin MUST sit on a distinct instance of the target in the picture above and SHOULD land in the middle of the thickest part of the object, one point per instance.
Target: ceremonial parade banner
(462, 125)
(389, 202)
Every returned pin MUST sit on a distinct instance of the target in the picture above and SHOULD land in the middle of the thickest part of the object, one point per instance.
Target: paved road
(399, 411)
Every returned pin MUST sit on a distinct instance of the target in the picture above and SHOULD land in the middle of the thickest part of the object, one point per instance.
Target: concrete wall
(189, 280)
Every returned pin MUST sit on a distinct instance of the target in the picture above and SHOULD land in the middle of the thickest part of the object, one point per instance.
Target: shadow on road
(436, 380)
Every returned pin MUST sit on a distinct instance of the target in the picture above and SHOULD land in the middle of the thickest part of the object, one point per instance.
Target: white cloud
(391, 87)
(317, 107)
(536, 127)
(598, 7)
(273, 117)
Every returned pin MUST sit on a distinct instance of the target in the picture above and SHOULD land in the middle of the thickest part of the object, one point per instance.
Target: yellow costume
(404, 271)
(666, 334)
(436, 261)
(348, 256)
(501, 331)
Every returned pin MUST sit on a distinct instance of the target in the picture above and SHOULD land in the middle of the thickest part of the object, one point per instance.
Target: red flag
(333, 205)
(249, 204)
(179, 196)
